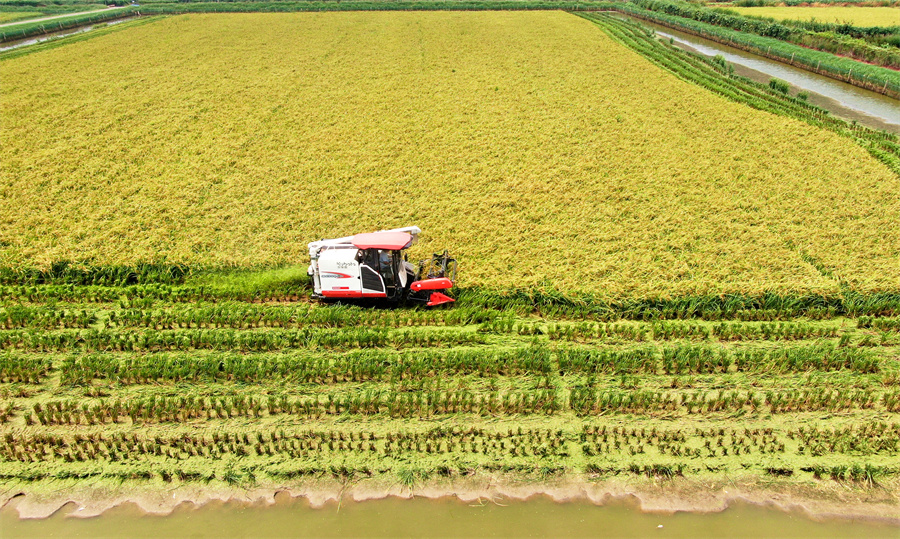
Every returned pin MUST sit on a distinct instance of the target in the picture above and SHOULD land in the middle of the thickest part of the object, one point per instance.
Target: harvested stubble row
(403, 404)
(144, 294)
(373, 402)
(547, 302)
(663, 331)
(18, 316)
(225, 339)
(685, 359)
(519, 450)
(388, 366)
(236, 316)
(589, 401)
(368, 365)
(15, 367)
(884, 324)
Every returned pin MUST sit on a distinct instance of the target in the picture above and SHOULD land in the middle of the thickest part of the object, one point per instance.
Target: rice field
(855, 15)
(535, 148)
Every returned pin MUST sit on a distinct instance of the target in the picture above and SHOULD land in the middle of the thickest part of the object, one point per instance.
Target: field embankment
(857, 16)
(491, 131)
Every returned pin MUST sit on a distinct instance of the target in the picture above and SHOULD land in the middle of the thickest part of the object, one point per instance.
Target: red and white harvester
(373, 265)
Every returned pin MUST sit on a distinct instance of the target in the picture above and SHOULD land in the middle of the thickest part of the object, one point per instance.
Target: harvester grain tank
(373, 265)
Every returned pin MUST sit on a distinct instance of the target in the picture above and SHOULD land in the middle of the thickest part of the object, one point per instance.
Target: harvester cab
(373, 265)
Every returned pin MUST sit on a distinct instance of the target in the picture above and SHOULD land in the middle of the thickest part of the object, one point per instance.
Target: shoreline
(815, 502)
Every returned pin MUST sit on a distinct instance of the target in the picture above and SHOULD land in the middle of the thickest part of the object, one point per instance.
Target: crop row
(303, 444)
(391, 366)
(239, 316)
(144, 294)
(883, 324)
(699, 359)
(868, 439)
(20, 316)
(391, 403)
(66, 273)
(634, 441)
(28, 369)
(356, 366)
(242, 315)
(539, 443)
(223, 339)
(583, 401)
(859, 473)
(871, 438)
(596, 441)
(590, 401)
(866, 474)
(665, 330)
(767, 307)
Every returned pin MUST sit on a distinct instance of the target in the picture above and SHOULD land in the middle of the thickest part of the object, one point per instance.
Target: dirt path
(61, 16)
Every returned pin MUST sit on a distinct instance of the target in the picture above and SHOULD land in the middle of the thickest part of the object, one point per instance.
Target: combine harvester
(373, 266)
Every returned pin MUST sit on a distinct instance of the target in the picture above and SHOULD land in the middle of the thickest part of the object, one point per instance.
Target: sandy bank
(815, 500)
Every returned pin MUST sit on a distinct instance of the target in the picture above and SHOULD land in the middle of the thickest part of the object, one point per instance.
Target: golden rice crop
(856, 15)
(530, 144)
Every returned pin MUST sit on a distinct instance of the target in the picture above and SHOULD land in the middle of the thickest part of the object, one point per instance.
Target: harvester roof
(393, 241)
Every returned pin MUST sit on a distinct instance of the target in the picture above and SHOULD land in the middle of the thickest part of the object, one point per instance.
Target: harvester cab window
(386, 262)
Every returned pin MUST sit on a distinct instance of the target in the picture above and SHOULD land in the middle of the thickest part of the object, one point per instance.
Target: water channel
(448, 517)
(842, 99)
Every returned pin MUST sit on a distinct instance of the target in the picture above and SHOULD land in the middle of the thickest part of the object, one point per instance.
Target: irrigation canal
(449, 517)
(841, 99)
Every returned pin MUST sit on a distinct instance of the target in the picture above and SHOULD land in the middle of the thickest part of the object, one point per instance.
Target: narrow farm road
(61, 16)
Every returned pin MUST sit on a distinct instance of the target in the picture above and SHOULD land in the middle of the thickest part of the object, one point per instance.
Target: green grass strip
(54, 43)
(36, 28)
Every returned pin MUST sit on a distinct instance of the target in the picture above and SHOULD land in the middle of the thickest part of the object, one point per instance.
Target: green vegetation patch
(800, 400)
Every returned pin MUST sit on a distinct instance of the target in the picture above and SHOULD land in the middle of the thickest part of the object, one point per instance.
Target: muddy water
(420, 517)
(842, 99)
